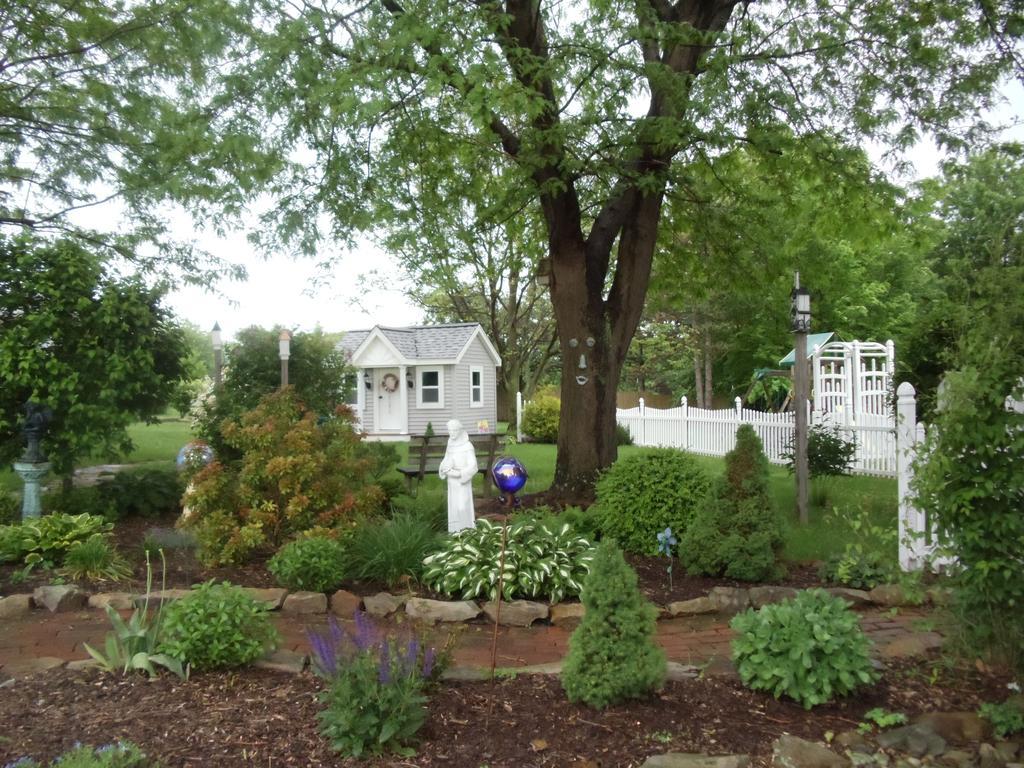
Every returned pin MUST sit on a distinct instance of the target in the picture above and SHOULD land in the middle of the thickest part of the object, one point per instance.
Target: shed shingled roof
(418, 342)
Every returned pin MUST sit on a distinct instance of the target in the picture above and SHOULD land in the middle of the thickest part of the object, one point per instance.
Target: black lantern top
(801, 310)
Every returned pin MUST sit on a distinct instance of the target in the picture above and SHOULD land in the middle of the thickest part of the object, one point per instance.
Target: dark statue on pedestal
(37, 419)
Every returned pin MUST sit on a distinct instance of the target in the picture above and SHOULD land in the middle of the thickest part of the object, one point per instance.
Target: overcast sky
(288, 292)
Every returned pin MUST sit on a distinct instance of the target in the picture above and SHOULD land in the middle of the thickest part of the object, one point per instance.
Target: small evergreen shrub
(312, 564)
(622, 435)
(217, 626)
(613, 655)
(540, 419)
(10, 508)
(810, 648)
(375, 693)
(389, 551)
(87, 499)
(737, 532)
(647, 492)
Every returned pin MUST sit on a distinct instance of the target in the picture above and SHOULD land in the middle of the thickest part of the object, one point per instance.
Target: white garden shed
(410, 376)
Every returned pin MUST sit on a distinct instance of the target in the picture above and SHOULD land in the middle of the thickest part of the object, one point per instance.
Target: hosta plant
(810, 648)
(44, 541)
(541, 560)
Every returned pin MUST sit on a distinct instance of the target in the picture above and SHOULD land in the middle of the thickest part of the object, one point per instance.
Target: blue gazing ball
(509, 475)
(194, 455)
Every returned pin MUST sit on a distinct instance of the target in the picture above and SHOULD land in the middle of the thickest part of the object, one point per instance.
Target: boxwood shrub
(647, 492)
(315, 564)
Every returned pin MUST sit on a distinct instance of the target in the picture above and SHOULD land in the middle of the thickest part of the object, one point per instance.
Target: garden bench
(426, 452)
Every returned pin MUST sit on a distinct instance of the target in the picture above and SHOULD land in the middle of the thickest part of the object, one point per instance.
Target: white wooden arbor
(852, 381)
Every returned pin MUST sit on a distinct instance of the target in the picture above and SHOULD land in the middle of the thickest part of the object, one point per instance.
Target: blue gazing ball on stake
(509, 475)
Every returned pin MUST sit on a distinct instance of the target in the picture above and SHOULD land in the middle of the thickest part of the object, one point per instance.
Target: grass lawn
(159, 442)
(815, 541)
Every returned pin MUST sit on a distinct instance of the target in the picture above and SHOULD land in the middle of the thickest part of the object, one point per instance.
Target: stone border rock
(721, 601)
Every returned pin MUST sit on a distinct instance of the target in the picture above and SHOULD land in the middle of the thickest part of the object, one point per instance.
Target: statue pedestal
(31, 474)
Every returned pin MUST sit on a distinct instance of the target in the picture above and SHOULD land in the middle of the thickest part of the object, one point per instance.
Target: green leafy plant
(217, 626)
(375, 694)
(970, 480)
(143, 493)
(540, 561)
(828, 452)
(810, 648)
(647, 492)
(10, 509)
(622, 435)
(315, 564)
(120, 754)
(882, 718)
(737, 531)
(45, 541)
(1006, 718)
(613, 654)
(390, 551)
(870, 555)
(95, 559)
(540, 419)
(132, 646)
(298, 470)
(431, 509)
(77, 500)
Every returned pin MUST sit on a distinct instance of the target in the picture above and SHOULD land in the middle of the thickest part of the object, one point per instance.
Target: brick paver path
(698, 640)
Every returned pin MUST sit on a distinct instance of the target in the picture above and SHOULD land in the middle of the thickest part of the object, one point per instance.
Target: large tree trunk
(594, 334)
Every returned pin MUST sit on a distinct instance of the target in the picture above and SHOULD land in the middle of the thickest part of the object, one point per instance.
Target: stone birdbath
(33, 466)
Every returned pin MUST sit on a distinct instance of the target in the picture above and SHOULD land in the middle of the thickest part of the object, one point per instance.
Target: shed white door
(389, 403)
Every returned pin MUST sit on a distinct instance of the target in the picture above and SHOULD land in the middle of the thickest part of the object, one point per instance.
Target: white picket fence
(713, 432)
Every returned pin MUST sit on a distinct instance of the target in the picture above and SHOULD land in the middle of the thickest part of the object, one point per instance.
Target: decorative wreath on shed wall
(389, 382)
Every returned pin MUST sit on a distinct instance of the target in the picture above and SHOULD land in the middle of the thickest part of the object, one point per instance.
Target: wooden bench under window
(426, 453)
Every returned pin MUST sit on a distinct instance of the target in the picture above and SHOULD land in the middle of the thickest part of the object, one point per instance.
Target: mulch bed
(258, 717)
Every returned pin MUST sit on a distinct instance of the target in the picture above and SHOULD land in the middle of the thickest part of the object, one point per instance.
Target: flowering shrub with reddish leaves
(298, 471)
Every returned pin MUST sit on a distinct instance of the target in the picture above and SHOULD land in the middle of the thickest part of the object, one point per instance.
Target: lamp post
(284, 342)
(801, 315)
(218, 353)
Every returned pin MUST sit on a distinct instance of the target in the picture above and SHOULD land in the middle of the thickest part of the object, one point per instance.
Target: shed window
(476, 387)
(431, 389)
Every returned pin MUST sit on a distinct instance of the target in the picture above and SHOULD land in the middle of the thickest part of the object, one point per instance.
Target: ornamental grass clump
(375, 693)
(810, 648)
(737, 532)
(613, 655)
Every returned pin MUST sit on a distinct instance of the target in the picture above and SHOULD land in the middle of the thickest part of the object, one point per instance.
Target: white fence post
(686, 423)
(643, 423)
(912, 545)
(519, 417)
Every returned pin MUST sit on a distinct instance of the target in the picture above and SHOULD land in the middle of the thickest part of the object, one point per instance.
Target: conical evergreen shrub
(737, 532)
(612, 654)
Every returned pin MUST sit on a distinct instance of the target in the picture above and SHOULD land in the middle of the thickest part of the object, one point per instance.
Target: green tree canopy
(98, 349)
(105, 100)
(594, 111)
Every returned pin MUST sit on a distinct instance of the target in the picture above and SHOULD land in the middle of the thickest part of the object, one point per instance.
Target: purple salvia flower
(324, 653)
(428, 663)
(384, 670)
(412, 650)
(365, 636)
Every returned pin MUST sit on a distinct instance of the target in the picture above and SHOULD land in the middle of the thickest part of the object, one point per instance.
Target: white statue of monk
(458, 467)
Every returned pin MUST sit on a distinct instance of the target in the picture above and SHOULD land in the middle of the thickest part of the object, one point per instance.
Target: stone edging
(725, 601)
